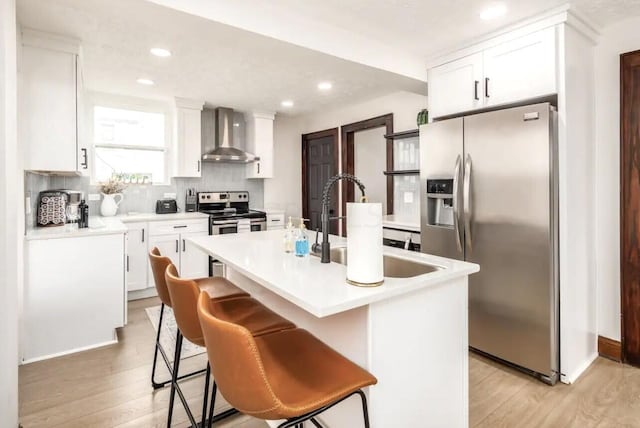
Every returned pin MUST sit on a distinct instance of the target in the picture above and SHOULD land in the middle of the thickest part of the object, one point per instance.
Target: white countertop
(97, 226)
(270, 211)
(401, 223)
(136, 217)
(320, 289)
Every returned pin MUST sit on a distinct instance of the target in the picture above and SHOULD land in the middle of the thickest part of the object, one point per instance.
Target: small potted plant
(110, 190)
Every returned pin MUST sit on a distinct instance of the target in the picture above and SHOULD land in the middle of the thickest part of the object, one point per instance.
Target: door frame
(348, 161)
(332, 132)
(629, 223)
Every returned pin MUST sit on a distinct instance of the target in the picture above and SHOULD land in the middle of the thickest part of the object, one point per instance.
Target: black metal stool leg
(214, 390)
(155, 384)
(174, 376)
(205, 401)
(365, 411)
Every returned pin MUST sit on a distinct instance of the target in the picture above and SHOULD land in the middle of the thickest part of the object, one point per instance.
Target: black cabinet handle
(198, 166)
(127, 263)
(258, 167)
(179, 227)
(142, 235)
(85, 163)
(475, 90)
(177, 246)
(184, 248)
(486, 87)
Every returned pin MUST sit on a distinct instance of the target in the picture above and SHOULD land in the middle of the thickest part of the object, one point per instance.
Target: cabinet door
(169, 246)
(260, 143)
(193, 262)
(456, 86)
(49, 99)
(275, 221)
(520, 69)
(188, 140)
(137, 257)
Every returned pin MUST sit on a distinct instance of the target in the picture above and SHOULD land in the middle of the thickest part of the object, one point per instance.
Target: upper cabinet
(49, 93)
(509, 72)
(188, 138)
(259, 131)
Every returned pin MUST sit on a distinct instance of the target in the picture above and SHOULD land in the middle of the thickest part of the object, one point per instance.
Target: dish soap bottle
(289, 237)
(302, 242)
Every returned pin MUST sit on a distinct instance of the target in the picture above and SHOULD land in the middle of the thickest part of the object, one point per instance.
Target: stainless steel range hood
(217, 138)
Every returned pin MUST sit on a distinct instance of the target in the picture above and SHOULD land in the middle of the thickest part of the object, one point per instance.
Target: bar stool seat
(305, 374)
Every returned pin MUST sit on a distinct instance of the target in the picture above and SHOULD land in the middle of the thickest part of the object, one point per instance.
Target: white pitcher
(109, 206)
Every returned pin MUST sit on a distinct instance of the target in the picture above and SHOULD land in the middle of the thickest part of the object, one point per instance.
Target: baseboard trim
(71, 351)
(609, 348)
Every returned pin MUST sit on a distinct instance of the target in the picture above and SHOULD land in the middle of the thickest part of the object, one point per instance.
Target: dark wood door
(319, 164)
(630, 205)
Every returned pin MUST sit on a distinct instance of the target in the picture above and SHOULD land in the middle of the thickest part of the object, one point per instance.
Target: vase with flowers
(110, 191)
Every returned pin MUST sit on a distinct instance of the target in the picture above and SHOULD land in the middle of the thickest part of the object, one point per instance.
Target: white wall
(616, 39)
(10, 263)
(284, 191)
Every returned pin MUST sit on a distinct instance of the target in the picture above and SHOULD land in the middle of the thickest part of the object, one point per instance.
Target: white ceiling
(214, 62)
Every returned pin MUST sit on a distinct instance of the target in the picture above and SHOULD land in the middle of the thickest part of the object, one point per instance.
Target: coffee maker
(74, 197)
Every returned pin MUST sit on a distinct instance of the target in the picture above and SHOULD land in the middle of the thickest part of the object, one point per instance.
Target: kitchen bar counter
(136, 217)
(411, 333)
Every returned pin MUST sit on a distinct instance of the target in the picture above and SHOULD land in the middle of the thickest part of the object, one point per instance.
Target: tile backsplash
(142, 198)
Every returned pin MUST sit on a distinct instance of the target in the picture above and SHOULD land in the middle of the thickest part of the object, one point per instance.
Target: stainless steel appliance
(166, 206)
(74, 197)
(490, 196)
(219, 144)
(229, 213)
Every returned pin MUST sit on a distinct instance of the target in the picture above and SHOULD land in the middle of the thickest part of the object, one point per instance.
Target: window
(129, 142)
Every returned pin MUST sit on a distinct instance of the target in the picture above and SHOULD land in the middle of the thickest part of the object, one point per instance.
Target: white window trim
(101, 99)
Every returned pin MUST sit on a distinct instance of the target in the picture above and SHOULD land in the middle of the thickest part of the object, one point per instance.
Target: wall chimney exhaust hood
(217, 138)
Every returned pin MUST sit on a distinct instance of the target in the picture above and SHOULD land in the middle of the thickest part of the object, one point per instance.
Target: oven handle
(258, 220)
(224, 223)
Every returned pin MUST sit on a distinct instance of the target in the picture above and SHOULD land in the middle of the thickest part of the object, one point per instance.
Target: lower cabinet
(170, 237)
(74, 294)
(275, 221)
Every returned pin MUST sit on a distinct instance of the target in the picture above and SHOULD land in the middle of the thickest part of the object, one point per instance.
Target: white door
(193, 262)
(169, 246)
(49, 97)
(520, 69)
(137, 257)
(456, 86)
(188, 134)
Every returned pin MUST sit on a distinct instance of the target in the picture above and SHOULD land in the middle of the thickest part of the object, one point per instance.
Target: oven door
(223, 227)
(258, 224)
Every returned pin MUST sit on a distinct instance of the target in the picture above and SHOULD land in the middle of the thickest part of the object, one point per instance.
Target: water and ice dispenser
(440, 202)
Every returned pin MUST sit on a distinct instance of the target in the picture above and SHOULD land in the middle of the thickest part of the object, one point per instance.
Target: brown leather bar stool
(283, 375)
(217, 287)
(246, 311)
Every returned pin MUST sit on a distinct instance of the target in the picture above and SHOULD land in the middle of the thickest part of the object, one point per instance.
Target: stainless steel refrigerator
(489, 191)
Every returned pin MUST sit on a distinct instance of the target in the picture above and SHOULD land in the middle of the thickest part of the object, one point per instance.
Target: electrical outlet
(94, 196)
(28, 205)
(169, 196)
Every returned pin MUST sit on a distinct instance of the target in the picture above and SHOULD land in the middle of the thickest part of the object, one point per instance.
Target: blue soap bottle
(302, 241)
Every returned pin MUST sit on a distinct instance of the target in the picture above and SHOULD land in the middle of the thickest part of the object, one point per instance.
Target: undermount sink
(394, 267)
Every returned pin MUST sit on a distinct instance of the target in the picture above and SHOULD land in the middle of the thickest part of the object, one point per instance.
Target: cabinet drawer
(174, 226)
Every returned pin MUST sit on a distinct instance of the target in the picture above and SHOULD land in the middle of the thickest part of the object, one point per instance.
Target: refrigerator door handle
(466, 196)
(456, 203)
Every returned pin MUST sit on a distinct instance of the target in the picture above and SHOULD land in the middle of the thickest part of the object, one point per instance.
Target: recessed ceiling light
(144, 81)
(493, 12)
(287, 103)
(324, 86)
(161, 52)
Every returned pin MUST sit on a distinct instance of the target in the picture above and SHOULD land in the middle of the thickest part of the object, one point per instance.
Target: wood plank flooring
(110, 387)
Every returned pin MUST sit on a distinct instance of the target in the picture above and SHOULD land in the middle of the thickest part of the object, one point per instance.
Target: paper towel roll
(364, 244)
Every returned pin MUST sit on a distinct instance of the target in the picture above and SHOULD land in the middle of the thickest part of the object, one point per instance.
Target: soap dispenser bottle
(289, 237)
(302, 241)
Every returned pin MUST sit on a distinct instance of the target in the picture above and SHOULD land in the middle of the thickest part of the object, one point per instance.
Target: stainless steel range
(229, 213)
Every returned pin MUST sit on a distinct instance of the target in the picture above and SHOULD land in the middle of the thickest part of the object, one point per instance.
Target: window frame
(97, 99)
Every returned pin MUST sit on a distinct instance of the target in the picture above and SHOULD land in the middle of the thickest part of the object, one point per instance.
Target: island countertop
(320, 289)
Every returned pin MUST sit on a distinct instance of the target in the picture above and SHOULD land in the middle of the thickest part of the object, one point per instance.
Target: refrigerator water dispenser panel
(440, 202)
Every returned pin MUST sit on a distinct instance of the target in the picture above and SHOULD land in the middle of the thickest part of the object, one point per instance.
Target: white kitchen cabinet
(74, 294)
(503, 73)
(188, 138)
(49, 96)
(170, 238)
(520, 69)
(275, 221)
(456, 86)
(259, 131)
(137, 256)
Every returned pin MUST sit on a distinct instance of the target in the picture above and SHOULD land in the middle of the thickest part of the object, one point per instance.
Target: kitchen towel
(364, 244)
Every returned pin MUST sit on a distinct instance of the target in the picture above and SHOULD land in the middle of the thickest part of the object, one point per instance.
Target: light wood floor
(109, 387)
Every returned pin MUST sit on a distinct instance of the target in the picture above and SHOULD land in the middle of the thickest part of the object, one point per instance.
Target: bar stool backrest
(184, 297)
(236, 365)
(158, 267)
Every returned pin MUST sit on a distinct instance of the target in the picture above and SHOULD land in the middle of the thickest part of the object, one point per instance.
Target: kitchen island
(411, 332)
